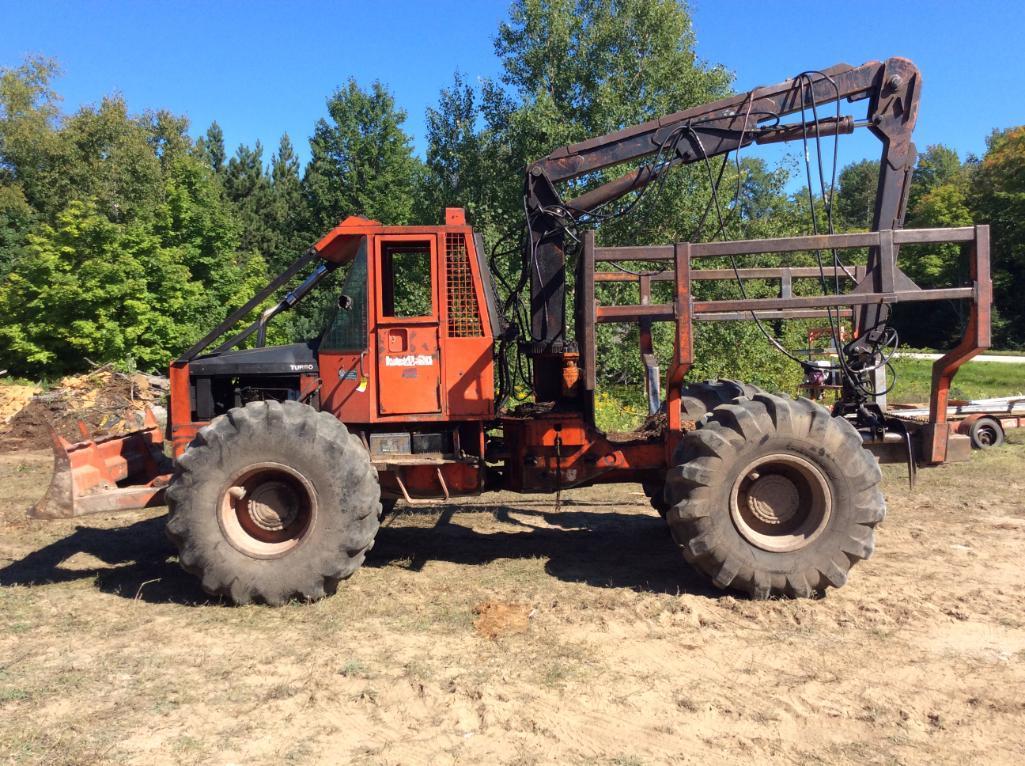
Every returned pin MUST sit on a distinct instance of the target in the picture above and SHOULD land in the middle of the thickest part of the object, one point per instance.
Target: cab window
(406, 280)
(347, 331)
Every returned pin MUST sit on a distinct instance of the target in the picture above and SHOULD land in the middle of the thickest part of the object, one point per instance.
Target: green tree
(16, 220)
(211, 147)
(856, 194)
(29, 116)
(117, 242)
(285, 212)
(936, 166)
(197, 221)
(248, 187)
(361, 161)
(110, 157)
(997, 197)
(945, 204)
(577, 69)
(288, 239)
(97, 290)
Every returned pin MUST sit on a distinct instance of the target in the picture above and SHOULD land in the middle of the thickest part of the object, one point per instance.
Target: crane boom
(891, 87)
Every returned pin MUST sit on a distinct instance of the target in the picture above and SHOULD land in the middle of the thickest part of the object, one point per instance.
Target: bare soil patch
(495, 619)
(110, 654)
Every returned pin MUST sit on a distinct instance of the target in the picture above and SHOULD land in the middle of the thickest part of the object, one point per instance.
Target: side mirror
(345, 302)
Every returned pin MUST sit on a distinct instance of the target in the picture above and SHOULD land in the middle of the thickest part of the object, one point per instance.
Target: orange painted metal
(345, 377)
(429, 480)
(558, 450)
(436, 372)
(464, 386)
(179, 414)
(87, 474)
(976, 338)
(455, 216)
(408, 348)
(467, 342)
(571, 374)
(683, 353)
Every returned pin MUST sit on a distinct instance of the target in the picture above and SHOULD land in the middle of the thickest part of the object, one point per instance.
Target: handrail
(789, 244)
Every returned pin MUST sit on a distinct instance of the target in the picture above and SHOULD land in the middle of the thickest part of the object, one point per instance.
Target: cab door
(407, 319)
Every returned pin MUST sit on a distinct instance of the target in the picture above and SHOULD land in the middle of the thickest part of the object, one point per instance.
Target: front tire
(273, 501)
(774, 497)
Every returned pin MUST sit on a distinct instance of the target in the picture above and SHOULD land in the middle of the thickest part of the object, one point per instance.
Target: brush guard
(115, 473)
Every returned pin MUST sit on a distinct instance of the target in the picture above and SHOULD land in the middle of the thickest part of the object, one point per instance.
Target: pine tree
(248, 188)
(211, 147)
(285, 214)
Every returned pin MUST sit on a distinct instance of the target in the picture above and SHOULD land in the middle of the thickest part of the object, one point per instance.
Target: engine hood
(293, 359)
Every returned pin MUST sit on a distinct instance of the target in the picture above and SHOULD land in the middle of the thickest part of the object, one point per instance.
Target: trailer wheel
(774, 497)
(696, 401)
(986, 433)
(273, 501)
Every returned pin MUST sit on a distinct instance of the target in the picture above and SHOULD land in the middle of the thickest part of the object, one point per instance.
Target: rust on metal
(88, 476)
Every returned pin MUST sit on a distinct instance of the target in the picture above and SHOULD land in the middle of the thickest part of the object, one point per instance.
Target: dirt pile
(105, 401)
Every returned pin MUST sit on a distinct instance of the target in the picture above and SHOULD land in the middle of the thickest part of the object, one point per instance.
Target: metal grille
(463, 314)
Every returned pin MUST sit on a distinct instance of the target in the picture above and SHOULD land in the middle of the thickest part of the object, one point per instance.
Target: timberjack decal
(410, 360)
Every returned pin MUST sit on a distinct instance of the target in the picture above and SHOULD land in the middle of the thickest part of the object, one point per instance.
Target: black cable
(569, 221)
(854, 377)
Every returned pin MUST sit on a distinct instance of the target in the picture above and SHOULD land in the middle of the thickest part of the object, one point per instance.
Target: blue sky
(264, 68)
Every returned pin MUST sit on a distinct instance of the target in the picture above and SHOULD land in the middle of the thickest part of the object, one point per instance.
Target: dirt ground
(500, 631)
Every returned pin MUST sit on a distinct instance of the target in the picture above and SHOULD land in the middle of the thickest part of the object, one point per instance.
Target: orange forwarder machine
(285, 458)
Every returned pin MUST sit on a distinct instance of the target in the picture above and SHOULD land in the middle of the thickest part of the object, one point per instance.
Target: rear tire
(699, 399)
(774, 497)
(273, 501)
(696, 401)
(655, 493)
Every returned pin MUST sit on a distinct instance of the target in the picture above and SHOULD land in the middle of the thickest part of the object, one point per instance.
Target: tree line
(123, 239)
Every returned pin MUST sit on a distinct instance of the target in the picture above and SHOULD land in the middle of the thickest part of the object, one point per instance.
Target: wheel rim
(986, 436)
(780, 502)
(266, 510)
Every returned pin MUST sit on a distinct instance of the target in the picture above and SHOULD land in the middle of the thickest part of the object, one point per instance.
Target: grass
(13, 380)
(623, 408)
(976, 380)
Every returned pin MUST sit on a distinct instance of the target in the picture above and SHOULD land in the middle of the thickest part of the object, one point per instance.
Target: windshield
(347, 330)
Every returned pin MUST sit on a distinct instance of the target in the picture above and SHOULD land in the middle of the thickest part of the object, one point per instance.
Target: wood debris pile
(105, 402)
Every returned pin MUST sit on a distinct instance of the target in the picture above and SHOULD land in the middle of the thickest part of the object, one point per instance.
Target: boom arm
(891, 87)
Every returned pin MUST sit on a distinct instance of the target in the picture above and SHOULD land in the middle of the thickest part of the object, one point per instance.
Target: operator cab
(411, 337)
(413, 334)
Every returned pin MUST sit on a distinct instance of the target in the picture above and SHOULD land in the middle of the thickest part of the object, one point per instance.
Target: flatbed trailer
(983, 421)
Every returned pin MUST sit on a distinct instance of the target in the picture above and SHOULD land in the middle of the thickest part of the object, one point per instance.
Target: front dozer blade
(114, 473)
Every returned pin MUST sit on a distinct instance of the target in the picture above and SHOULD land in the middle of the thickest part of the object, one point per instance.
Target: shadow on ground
(140, 561)
(602, 549)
